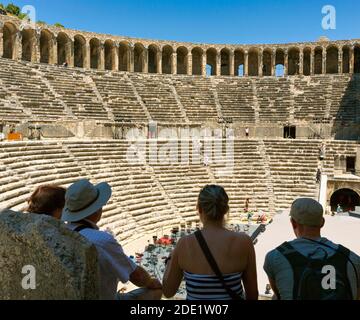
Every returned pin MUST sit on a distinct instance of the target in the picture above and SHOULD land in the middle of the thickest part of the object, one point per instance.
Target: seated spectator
(48, 200)
(225, 266)
(83, 210)
(312, 267)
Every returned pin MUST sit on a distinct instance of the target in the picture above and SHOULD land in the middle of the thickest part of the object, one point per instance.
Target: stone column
(36, 48)
(286, 62)
(71, 51)
(53, 54)
(351, 59)
(273, 63)
(301, 61)
(130, 60)
(101, 57)
(232, 62)
(159, 62)
(246, 63)
(17, 54)
(218, 64)
(174, 63)
(1, 39)
(116, 57)
(340, 61)
(357, 164)
(324, 61)
(189, 64)
(145, 61)
(203, 64)
(312, 62)
(87, 62)
(260, 63)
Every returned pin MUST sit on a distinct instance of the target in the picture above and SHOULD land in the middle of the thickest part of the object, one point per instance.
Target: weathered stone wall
(65, 263)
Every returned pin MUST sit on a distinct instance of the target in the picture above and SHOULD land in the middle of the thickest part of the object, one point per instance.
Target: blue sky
(211, 21)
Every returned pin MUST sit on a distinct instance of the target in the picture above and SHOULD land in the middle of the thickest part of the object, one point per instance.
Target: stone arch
(139, 57)
(197, 61)
(294, 61)
(9, 40)
(167, 54)
(64, 44)
(211, 61)
(124, 56)
(347, 198)
(307, 61)
(79, 51)
(110, 55)
(318, 60)
(154, 53)
(46, 47)
(28, 42)
(332, 60)
(346, 59)
(357, 58)
(182, 60)
(280, 62)
(95, 49)
(225, 62)
(239, 62)
(267, 62)
(253, 63)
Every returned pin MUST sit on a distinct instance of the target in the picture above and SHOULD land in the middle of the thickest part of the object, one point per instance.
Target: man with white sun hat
(83, 210)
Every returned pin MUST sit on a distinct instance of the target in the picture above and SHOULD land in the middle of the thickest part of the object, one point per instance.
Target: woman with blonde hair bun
(217, 264)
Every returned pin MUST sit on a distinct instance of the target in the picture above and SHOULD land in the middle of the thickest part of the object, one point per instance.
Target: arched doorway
(124, 56)
(348, 199)
(357, 59)
(346, 59)
(46, 47)
(294, 61)
(332, 60)
(94, 53)
(28, 44)
(239, 61)
(64, 48)
(79, 51)
(9, 39)
(153, 58)
(225, 62)
(182, 60)
(267, 63)
(139, 58)
(211, 62)
(110, 54)
(197, 54)
(253, 63)
(167, 54)
(307, 62)
(318, 61)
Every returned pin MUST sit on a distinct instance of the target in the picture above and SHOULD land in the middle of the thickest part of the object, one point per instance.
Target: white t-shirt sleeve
(117, 261)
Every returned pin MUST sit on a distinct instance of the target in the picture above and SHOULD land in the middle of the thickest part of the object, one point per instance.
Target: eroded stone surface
(65, 263)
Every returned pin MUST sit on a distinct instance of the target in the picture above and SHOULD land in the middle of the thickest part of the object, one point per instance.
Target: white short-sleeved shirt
(114, 264)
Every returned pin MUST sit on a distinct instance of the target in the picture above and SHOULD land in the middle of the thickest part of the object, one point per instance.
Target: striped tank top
(207, 287)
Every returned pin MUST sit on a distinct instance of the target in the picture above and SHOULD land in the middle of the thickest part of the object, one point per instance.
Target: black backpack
(312, 276)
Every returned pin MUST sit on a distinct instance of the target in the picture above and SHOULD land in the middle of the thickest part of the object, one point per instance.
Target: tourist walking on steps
(312, 267)
(318, 176)
(225, 264)
(83, 210)
(47, 200)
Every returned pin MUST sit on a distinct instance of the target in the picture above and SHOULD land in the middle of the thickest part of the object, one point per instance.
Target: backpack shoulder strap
(214, 266)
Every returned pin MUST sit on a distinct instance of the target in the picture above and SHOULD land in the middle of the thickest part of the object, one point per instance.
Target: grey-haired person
(312, 267)
(84, 204)
(217, 264)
